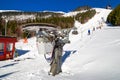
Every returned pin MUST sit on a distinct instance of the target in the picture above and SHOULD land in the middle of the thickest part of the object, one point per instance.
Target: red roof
(8, 39)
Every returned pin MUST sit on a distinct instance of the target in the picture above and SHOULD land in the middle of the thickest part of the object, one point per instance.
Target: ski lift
(7, 47)
(46, 44)
(108, 7)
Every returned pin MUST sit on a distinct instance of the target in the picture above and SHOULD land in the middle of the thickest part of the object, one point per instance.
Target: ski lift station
(7, 47)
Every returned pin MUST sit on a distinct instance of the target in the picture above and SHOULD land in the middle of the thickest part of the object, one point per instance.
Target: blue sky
(53, 5)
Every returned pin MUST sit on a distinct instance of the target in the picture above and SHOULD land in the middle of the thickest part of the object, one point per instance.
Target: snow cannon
(7, 47)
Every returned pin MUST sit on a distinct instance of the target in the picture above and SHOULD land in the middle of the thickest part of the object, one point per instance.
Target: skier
(93, 29)
(57, 56)
(88, 31)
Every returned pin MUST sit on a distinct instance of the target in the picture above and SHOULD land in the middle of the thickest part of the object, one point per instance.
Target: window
(1, 47)
(9, 46)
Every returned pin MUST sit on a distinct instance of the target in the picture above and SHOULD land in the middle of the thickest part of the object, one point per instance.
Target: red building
(7, 47)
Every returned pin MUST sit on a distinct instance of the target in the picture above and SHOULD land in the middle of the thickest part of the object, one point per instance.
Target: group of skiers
(56, 58)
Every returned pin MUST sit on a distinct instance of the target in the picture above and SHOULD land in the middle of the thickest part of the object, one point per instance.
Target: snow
(9, 10)
(87, 57)
(17, 17)
(53, 11)
(73, 13)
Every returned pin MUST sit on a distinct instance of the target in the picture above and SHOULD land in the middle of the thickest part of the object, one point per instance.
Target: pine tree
(114, 16)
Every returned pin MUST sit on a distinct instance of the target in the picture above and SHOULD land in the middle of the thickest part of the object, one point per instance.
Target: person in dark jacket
(88, 31)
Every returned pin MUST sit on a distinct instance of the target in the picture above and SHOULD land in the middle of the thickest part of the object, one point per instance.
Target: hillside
(87, 57)
(14, 20)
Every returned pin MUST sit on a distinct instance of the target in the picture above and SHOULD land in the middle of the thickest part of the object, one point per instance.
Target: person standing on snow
(88, 31)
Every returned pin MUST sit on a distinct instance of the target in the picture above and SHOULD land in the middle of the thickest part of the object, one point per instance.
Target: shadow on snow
(21, 52)
(7, 74)
(67, 54)
(8, 65)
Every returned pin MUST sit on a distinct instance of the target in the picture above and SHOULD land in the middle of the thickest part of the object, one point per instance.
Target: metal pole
(6, 27)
